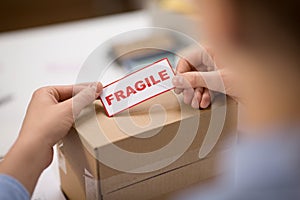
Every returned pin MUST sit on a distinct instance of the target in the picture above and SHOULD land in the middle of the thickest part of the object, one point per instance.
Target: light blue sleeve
(11, 189)
(260, 168)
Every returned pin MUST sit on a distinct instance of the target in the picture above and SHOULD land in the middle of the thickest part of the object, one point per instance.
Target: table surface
(49, 55)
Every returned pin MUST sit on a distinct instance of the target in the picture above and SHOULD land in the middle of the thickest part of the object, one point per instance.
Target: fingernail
(205, 104)
(177, 91)
(99, 88)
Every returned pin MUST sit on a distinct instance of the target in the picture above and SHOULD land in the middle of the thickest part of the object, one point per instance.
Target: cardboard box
(86, 174)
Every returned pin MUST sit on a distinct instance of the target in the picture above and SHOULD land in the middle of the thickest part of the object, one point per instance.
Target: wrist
(35, 149)
(26, 160)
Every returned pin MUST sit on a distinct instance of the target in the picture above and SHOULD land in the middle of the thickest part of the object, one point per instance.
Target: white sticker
(91, 186)
(137, 87)
(62, 160)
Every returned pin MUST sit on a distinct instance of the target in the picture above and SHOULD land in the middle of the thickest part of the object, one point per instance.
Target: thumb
(213, 80)
(83, 98)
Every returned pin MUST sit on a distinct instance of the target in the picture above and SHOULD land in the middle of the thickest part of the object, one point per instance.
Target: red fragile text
(138, 86)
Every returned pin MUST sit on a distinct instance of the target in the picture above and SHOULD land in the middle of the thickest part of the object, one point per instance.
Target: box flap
(141, 121)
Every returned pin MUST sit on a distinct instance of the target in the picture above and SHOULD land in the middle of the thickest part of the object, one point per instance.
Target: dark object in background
(17, 14)
(139, 53)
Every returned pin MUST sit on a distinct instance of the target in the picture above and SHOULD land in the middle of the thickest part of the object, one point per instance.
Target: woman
(256, 47)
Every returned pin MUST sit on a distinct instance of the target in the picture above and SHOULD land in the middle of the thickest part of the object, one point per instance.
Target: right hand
(197, 75)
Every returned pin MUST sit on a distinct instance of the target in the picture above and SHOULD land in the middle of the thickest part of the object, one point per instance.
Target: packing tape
(92, 189)
(61, 158)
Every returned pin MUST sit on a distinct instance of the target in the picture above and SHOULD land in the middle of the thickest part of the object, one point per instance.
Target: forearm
(25, 161)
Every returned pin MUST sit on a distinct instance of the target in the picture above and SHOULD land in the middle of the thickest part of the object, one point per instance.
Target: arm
(49, 117)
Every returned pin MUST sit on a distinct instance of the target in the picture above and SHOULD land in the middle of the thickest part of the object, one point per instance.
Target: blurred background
(46, 42)
(16, 14)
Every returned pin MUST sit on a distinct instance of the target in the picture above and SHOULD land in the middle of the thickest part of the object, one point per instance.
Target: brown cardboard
(81, 147)
(157, 187)
(170, 181)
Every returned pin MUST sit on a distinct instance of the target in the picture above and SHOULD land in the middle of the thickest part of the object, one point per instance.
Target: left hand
(52, 110)
(50, 115)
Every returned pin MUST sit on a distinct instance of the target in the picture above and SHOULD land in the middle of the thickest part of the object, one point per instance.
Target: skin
(195, 71)
(49, 117)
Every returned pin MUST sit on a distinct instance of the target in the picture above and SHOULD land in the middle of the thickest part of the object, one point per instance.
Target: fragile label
(137, 87)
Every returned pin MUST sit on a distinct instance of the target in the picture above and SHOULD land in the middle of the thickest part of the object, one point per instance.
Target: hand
(197, 77)
(194, 60)
(52, 110)
(50, 115)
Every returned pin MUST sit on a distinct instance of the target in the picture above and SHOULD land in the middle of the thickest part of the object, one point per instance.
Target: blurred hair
(272, 21)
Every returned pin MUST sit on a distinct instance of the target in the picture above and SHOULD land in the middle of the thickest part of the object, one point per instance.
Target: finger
(83, 98)
(195, 58)
(178, 90)
(189, 56)
(188, 95)
(65, 92)
(197, 98)
(211, 80)
(206, 99)
(183, 66)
